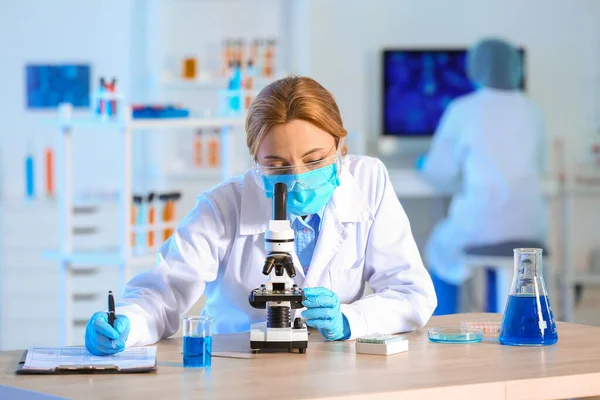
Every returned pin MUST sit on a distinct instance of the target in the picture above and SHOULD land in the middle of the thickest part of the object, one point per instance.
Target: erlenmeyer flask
(528, 318)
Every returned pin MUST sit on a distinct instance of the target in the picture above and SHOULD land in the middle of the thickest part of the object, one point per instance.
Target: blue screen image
(418, 85)
(49, 85)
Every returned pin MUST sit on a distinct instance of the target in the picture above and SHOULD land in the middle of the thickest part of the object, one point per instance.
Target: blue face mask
(308, 192)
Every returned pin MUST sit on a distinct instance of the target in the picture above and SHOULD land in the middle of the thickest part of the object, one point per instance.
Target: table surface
(332, 370)
(408, 183)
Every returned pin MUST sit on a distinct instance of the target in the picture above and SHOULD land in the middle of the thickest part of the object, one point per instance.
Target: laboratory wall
(46, 33)
(180, 29)
(143, 48)
(57, 32)
(338, 42)
(142, 44)
(562, 42)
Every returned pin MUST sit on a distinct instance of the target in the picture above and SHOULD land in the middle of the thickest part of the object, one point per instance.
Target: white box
(382, 349)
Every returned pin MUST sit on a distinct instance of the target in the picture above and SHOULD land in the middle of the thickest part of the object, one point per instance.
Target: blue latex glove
(101, 339)
(323, 313)
(420, 163)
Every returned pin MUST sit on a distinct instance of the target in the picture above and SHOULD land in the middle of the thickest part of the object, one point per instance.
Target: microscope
(280, 295)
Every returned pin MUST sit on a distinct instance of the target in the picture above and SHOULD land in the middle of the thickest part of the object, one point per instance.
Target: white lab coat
(493, 143)
(218, 250)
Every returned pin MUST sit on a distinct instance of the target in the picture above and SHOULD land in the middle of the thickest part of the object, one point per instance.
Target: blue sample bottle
(29, 177)
(528, 318)
(197, 351)
(235, 87)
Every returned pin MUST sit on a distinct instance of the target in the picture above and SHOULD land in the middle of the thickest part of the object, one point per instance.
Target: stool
(498, 259)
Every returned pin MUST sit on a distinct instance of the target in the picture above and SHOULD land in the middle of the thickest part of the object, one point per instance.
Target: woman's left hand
(420, 162)
(323, 313)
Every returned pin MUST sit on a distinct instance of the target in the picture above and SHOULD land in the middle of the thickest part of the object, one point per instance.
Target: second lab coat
(492, 143)
(218, 250)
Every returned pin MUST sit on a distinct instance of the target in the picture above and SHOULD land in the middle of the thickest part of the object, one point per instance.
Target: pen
(111, 309)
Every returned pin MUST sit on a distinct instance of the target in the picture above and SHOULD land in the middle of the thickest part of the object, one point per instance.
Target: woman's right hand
(101, 339)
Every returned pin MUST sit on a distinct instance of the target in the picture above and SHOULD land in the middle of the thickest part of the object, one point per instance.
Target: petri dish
(455, 334)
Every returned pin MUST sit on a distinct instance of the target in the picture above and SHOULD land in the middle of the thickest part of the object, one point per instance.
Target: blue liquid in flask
(197, 351)
(528, 321)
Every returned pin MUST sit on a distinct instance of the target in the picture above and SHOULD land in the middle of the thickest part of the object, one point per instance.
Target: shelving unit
(149, 123)
(206, 83)
(196, 173)
(124, 256)
(579, 183)
(159, 46)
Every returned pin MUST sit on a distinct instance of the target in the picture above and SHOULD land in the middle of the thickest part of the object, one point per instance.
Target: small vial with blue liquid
(528, 318)
(235, 89)
(197, 342)
(29, 177)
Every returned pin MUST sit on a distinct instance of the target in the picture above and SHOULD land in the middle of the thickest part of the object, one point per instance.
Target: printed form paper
(50, 358)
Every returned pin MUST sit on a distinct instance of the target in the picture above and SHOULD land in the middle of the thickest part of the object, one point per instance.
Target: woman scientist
(491, 139)
(350, 229)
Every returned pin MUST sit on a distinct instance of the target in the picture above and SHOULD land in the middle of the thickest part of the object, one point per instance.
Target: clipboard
(108, 367)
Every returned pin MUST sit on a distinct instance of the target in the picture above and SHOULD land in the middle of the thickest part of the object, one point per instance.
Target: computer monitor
(418, 84)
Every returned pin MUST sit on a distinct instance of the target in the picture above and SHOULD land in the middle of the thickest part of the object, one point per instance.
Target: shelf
(155, 227)
(195, 173)
(207, 82)
(144, 259)
(180, 123)
(587, 279)
(85, 122)
(28, 205)
(109, 257)
(149, 123)
(584, 179)
(582, 189)
(50, 208)
(89, 258)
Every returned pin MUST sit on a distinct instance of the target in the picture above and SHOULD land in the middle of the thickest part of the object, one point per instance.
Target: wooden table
(333, 371)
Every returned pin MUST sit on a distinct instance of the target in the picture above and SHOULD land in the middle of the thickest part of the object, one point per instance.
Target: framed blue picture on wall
(49, 85)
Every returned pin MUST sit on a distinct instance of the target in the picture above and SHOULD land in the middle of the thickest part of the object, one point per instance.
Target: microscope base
(289, 346)
(263, 338)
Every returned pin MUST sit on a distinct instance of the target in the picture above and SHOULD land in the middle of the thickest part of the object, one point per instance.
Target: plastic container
(198, 156)
(383, 345)
(455, 334)
(485, 326)
(190, 68)
(49, 164)
(151, 220)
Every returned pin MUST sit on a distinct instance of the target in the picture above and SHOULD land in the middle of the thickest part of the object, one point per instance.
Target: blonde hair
(289, 99)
